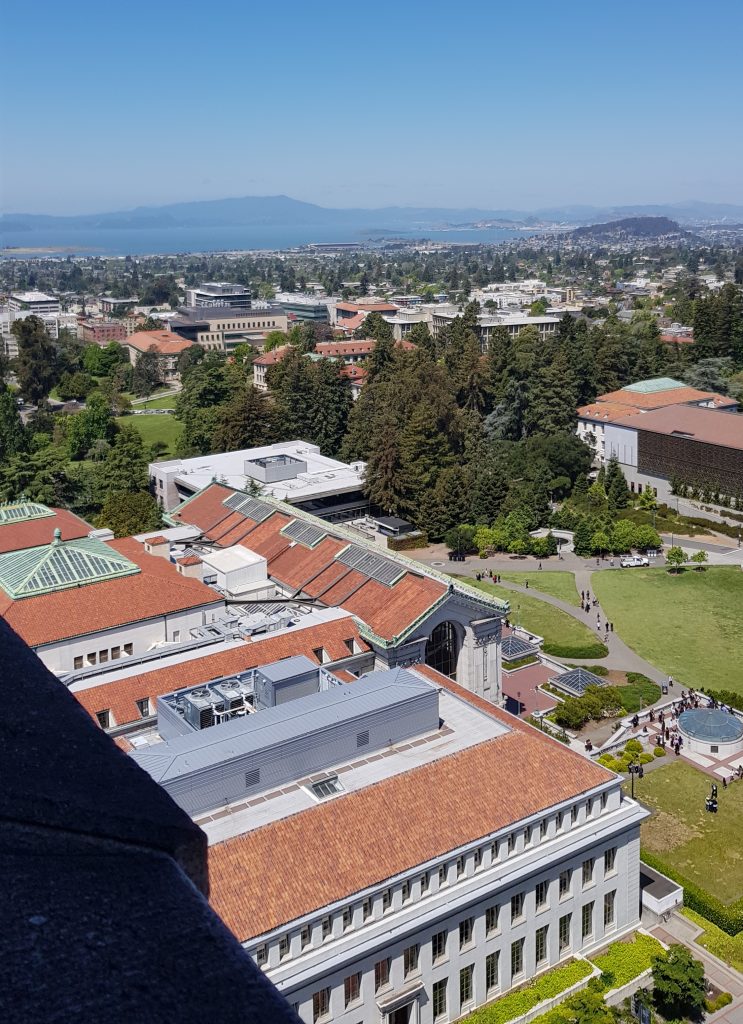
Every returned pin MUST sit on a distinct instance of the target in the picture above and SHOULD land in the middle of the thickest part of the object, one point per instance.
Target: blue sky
(109, 106)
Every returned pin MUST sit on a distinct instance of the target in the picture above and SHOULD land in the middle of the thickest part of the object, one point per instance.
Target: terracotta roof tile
(120, 696)
(158, 589)
(165, 342)
(34, 532)
(661, 399)
(205, 509)
(376, 833)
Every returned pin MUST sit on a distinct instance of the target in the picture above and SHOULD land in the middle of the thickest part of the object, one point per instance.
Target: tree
(375, 326)
(12, 435)
(37, 364)
(274, 339)
(424, 452)
(623, 536)
(445, 505)
(617, 490)
(242, 422)
(646, 538)
(127, 512)
(675, 558)
(383, 480)
(125, 466)
(147, 372)
(94, 423)
(646, 499)
(700, 558)
(381, 358)
(586, 1007)
(679, 985)
(331, 404)
(600, 542)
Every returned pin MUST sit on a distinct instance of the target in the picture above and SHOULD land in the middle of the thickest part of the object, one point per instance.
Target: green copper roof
(21, 510)
(57, 566)
(650, 387)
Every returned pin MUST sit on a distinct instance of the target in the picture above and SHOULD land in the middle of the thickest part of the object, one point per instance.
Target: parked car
(633, 561)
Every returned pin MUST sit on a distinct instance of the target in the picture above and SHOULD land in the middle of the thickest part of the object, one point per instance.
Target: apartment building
(101, 332)
(487, 323)
(224, 327)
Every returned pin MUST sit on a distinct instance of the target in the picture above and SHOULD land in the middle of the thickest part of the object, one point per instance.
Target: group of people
(493, 577)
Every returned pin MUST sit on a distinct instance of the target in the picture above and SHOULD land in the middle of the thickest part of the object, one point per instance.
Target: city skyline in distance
(405, 105)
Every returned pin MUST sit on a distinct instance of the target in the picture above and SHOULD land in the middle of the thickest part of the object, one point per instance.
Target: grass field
(161, 427)
(728, 948)
(556, 584)
(703, 847)
(563, 635)
(165, 402)
(687, 625)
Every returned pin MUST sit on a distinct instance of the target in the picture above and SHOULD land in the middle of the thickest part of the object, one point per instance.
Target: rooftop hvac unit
(232, 694)
(199, 708)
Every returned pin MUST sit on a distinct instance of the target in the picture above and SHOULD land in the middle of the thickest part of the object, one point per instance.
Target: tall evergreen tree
(383, 481)
(37, 365)
(424, 452)
(12, 433)
(244, 421)
(332, 406)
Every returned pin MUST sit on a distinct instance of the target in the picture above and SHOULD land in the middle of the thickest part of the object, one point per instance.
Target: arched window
(442, 649)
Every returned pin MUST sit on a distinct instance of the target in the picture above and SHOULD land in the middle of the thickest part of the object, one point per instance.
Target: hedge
(726, 697)
(713, 1005)
(728, 948)
(587, 650)
(659, 752)
(524, 999)
(624, 961)
(729, 918)
(417, 540)
(530, 659)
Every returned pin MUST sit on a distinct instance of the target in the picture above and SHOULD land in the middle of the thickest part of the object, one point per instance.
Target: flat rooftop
(323, 476)
(710, 426)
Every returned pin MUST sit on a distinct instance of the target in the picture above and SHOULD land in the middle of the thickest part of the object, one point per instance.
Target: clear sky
(495, 104)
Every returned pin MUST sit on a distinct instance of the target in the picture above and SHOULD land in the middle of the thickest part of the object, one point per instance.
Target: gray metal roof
(278, 671)
(184, 755)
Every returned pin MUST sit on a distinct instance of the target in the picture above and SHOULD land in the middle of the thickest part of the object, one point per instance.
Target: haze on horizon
(398, 104)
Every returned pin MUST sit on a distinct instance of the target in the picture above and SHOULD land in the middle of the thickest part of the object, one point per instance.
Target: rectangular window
(609, 901)
(92, 658)
(543, 828)
(143, 706)
(604, 801)
(261, 955)
(589, 808)
(410, 960)
(283, 947)
(347, 918)
(559, 820)
(527, 835)
(102, 657)
(176, 635)
(460, 866)
(491, 972)
(478, 858)
(438, 998)
(405, 892)
(587, 872)
(517, 957)
(610, 861)
(542, 892)
(438, 947)
(465, 985)
(565, 940)
(327, 926)
(565, 879)
(493, 852)
(491, 919)
(466, 929)
(352, 988)
(442, 875)
(349, 645)
(128, 648)
(573, 814)
(541, 945)
(425, 882)
(367, 908)
(381, 973)
(104, 718)
(512, 842)
(78, 662)
(320, 1004)
(586, 920)
(386, 900)
(305, 937)
(517, 907)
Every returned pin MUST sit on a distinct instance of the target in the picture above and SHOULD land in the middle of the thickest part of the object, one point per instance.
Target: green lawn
(165, 402)
(728, 948)
(687, 625)
(161, 427)
(556, 584)
(703, 847)
(564, 636)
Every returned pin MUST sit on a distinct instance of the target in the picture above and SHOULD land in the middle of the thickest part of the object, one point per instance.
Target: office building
(292, 471)
(223, 328)
(168, 346)
(220, 294)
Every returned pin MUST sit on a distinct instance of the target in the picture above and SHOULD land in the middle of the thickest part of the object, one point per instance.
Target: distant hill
(631, 227)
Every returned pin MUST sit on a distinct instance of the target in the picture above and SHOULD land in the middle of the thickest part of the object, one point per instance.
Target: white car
(633, 561)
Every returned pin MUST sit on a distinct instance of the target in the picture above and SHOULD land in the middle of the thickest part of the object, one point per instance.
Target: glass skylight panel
(247, 506)
(304, 533)
(326, 787)
(383, 570)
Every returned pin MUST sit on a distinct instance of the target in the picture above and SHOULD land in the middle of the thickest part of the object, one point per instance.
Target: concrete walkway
(680, 929)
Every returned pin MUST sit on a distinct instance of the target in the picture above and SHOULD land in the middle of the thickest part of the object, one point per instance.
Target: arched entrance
(442, 649)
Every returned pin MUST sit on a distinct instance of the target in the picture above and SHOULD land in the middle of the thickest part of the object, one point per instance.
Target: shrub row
(530, 659)
(728, 918)
(735, 700)
(524, 999)
(594, 649)
(624, 961)
(729, 948)
(418, 540)
(713, 1005)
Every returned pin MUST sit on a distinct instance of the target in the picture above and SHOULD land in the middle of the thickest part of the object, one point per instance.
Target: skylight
(327, 787)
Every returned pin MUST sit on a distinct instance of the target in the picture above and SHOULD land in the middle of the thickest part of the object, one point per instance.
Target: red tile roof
(159, 589)
(34, 532)
(273, 356)
(661, 399)
(120, 697)
(606, 412)
(373, 306)
(376, 833)
(165, 342)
